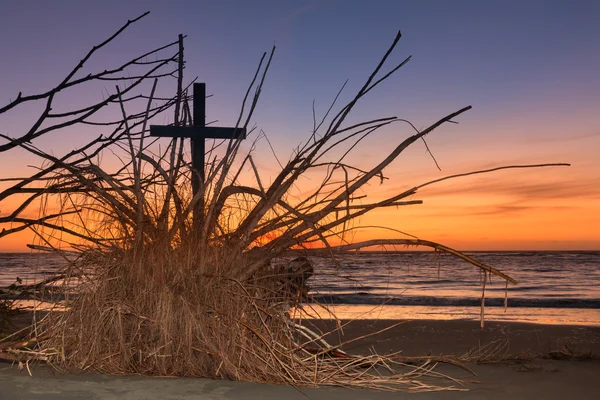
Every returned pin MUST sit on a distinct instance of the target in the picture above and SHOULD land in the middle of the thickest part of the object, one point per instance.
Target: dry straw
(151, 292)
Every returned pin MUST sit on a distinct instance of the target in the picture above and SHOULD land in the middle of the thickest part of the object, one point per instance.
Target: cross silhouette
(198, 133)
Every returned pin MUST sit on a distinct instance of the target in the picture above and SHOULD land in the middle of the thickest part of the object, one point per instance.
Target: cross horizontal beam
(197, 132)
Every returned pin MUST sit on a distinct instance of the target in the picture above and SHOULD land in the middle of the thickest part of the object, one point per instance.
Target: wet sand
(545, 376)
(456, 337)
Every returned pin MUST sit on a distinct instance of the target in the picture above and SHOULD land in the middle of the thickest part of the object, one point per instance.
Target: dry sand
(541, 377)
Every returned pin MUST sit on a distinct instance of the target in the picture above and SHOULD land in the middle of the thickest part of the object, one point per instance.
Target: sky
(528, 68)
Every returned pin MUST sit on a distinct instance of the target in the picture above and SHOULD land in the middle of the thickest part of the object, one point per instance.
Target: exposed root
(168, 280)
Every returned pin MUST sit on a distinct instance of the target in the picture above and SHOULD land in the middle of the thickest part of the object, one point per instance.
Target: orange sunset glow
(533, 101)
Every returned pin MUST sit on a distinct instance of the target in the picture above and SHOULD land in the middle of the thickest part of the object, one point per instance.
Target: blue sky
(528, 68)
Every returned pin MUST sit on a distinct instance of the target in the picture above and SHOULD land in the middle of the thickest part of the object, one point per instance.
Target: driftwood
(293, 278)
(161, 295)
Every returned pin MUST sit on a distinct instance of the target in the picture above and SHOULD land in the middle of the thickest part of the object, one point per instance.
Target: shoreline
(427, 336)
(419, 337)
(529, 315)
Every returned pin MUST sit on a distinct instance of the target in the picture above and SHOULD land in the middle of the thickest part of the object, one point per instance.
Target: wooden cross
(198, 133)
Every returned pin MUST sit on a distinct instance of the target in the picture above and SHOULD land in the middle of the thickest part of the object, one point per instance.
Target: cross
(198, 133)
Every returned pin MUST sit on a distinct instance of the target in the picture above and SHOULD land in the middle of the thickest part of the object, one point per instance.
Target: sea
(554, 287)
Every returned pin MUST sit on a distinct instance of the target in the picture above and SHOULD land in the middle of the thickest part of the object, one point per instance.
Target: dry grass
(496, 352)
(153, 289)
(174, 320)
(6, 311)
(499, 352)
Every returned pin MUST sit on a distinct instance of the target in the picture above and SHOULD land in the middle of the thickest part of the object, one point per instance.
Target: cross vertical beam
(198, 145)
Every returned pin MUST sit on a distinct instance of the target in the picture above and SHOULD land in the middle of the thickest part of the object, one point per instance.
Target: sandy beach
(457, 337)
(542, 361)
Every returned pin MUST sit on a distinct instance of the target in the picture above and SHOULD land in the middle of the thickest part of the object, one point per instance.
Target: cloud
(500, 210)
(562, 138)
(589, 189)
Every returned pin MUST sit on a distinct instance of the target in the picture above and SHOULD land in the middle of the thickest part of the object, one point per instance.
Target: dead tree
(160, 295)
